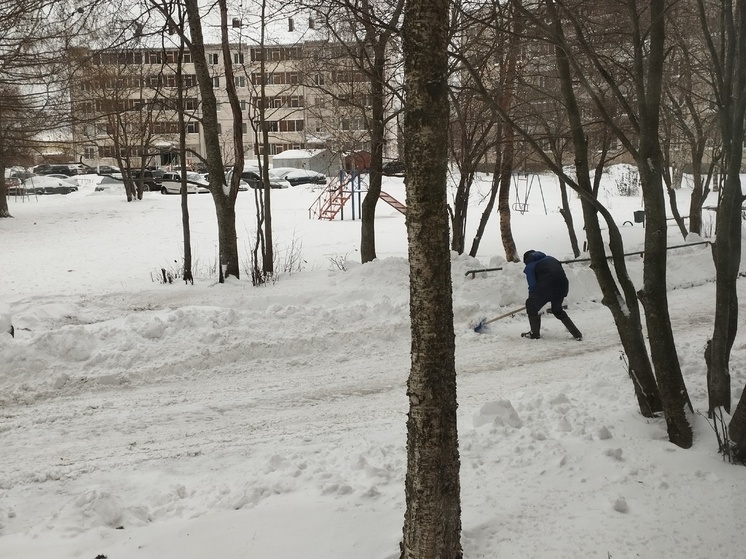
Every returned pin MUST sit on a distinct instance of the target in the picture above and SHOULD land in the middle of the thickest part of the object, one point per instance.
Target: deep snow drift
(170, 421)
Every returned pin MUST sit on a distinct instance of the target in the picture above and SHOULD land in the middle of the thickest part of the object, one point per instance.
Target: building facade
(127, 103)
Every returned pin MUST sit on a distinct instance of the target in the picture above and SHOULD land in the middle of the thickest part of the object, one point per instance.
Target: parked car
(107, 170)
(60, 184)
(109, 183)
(394, 168)
(17, 187)
(242, 184)
(171, 183)
(151, 179)
(297, 176)
(254, 179)
(67, 169)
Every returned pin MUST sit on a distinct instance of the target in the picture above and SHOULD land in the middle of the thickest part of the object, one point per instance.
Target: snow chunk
(620, 505)
(604, 433)
(499, 412)
(615, 453)
(154, 330)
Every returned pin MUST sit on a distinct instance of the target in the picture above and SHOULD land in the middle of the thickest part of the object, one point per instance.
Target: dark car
(68, 169)
(254, 180)
(394, 168)
(152, 179)
(297, 177)
(106, 170)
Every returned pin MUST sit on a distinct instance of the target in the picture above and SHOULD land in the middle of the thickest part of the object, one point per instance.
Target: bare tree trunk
(622, 304)
(376, 127)
(727, 49)
(432, 522)
(503, 204)
(487, 213)
(507, 142)
(267, 243)
(653, 296)
(4, 210)
(229, 264)
(460, 209)
(187, 233)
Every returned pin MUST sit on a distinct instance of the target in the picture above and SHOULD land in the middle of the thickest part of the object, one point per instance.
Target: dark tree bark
(376, 127)
(487, 212)
(507, 142)
(623, 305)
(225, 210)
(724, 32)
(432, 522)
(649, 53)
(503, 198)
(471, 136)
(186, 230)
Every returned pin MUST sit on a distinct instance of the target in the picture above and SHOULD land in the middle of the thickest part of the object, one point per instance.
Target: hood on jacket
(532, 256)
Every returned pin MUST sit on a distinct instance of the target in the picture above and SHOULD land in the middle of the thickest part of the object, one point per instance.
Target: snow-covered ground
(143, 420)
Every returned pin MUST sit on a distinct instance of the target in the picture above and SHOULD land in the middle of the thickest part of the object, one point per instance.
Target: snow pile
(157, 421)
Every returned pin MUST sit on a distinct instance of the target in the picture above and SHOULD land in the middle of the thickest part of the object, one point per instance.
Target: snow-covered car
(171, 183)
(297, 176)
(242, 184)
(49, 184)
(110, 184)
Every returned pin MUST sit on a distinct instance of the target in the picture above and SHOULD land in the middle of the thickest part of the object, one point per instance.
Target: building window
(289, 126)
(220, 129)
(237, 58)
(192, 127)
(244, 128)
(90, 152)
(243, 104)
(216, 81)
(213, 58)
(240, 81)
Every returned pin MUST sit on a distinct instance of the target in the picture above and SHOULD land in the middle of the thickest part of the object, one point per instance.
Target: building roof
(299, 154)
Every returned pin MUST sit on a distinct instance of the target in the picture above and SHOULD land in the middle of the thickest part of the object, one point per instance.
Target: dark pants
(537, 300)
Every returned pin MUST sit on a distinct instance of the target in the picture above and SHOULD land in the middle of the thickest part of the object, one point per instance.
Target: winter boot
(572, 328)
(534, 322)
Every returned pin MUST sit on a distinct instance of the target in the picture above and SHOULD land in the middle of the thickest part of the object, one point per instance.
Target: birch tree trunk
(432, 522)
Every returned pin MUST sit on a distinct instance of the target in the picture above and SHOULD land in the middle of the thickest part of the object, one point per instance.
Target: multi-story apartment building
(127, 101)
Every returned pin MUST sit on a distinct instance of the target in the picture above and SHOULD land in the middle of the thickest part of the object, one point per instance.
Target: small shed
(357, 161)
(319, 160)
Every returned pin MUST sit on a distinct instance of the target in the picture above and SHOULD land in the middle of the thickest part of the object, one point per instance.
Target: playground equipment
(523, 183)
(345, 186)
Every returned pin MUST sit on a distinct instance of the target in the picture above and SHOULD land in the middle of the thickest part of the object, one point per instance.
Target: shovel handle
(514, 311)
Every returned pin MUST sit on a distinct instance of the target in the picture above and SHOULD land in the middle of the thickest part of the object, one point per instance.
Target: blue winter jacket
(545, 276)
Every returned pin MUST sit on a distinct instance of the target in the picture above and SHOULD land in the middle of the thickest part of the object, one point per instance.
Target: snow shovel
(480, 328)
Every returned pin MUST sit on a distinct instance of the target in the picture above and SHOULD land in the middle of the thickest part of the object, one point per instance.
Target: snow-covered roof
(299, 154)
